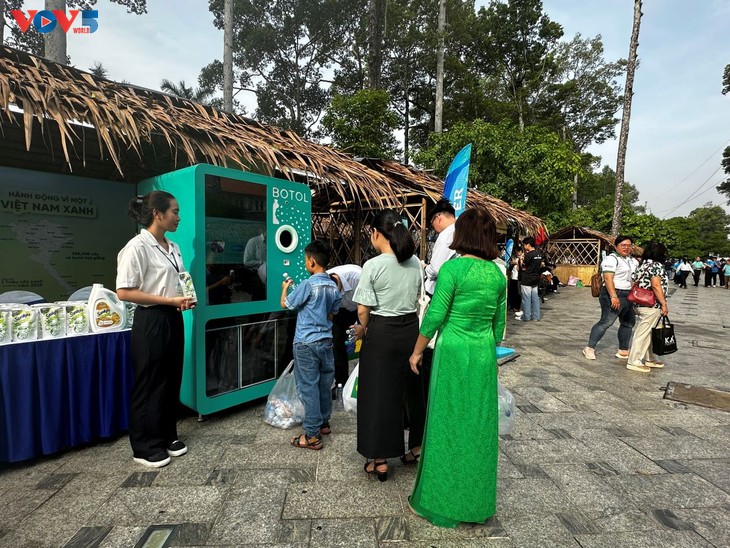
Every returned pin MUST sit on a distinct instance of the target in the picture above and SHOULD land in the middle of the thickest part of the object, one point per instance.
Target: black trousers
(157, 359)
(710, 278)
(682, 275)
(340, 323)
(696, 276)
(388, 389)
(513, 295)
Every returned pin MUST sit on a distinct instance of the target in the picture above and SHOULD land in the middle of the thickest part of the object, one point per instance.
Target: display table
(60, 393)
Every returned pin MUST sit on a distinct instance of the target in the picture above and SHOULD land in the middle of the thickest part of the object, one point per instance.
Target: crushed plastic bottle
(350, 341)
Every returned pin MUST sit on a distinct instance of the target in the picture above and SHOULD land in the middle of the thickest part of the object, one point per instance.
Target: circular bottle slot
(286, 238)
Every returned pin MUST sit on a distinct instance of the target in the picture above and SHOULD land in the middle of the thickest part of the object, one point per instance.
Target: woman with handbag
(650, 276)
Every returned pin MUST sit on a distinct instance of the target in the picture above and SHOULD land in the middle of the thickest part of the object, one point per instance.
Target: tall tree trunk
(228, 56)
(575, 191)
(624, 135)
(54, 42)
(406, 128)
(438, 122)
(375, 54)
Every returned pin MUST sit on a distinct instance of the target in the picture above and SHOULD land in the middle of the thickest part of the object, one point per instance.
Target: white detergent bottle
(106, 311)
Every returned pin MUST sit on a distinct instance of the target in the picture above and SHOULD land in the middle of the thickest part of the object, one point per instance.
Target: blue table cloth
(60, 393)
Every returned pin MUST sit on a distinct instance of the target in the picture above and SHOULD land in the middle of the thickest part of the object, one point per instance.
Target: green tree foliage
(582, 102)
(724, 187)
(514, 42)
(362, 124)
(99, 70)
(531, 169)
(282, 50)
(31, 41)
(726, 80)
(181, 90)
(682, 237)
(713, 225)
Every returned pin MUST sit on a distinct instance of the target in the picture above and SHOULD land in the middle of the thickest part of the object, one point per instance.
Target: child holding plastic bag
(316, 300)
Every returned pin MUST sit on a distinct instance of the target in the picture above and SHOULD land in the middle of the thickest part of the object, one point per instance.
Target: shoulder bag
(596, 283)
(663, 341)
(640, 296)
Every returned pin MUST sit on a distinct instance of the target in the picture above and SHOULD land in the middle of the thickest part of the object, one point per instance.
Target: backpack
(596, 284)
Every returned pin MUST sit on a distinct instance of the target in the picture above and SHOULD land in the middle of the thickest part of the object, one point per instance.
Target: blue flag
(509, 246)
(457, 178)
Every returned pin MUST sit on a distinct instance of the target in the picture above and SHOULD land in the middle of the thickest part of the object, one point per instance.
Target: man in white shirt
(442, 217)
(442, 220)
(347, 277)
(616, 268)
(254, 264)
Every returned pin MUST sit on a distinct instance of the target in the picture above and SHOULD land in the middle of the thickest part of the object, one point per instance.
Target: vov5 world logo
(46, 21)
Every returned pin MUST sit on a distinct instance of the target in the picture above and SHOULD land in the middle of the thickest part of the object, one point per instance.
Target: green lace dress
(457, 473)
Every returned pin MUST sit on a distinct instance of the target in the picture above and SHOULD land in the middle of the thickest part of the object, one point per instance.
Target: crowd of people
(444, 393)
(621, 272)
(716, 271)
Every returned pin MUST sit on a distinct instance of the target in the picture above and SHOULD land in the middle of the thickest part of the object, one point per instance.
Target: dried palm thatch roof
(430, 185)
(127, 118)
(97, 123)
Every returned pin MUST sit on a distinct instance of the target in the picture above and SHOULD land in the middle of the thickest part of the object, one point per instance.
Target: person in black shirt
(531, 267)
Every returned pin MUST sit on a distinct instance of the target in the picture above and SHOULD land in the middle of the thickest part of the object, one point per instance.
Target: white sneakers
(638, 366)
(589, 353)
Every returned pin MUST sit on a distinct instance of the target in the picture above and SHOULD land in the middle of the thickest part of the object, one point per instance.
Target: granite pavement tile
(418, 529)
(668, 491)
(506, 469)
(550, 451)
(538, 531)
(343, 500)
(545, 401)
(120, 537)
(530, 496)
(717, 472)
(679, 447)
(355, 533)
(621, 520)
(52, 523)
(711, 523)
(194, 467)
(622, 457)
(525, 428)
(645, 539)
(159, 505)
(16, 503)
(583, 488)
(253, 516)
(28, 473)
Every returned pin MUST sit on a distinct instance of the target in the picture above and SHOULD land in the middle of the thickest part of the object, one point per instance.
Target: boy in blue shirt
(316, 300)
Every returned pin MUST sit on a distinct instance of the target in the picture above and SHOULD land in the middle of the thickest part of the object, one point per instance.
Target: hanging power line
(710, 157)
(694, 194)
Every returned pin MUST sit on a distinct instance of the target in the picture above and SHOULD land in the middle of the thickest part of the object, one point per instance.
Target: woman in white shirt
(684, 270)
(147, 274)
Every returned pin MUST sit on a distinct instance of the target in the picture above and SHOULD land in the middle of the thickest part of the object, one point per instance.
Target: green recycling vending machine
(239, 234)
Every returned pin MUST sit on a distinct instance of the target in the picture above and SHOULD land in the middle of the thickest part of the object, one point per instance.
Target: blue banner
(457, 177)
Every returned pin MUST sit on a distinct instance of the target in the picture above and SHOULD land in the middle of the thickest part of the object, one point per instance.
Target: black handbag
(663, 341)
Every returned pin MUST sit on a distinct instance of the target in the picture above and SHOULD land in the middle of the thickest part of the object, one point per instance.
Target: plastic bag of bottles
(506, 402)
(284, 409)
(349, 393)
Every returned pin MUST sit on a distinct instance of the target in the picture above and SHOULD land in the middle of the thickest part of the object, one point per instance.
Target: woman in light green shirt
(386, 297)
(697, 266)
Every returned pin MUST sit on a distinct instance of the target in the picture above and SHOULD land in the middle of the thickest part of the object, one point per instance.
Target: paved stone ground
(597, 458)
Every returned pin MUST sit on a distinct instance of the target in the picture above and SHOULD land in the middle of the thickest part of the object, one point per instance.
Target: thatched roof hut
(578, 250)
(57, 118)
